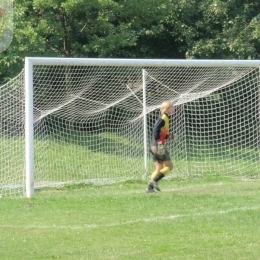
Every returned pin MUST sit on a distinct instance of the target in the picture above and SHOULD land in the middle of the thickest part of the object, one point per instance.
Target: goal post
(145, 121)
(90, 120)
(29, 128)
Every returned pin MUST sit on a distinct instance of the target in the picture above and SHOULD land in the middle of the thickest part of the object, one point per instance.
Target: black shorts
(161, 158)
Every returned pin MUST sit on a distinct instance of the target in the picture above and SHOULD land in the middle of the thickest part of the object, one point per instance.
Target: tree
(93, 28)
(70, 28)
(225, 30)
(181, 29)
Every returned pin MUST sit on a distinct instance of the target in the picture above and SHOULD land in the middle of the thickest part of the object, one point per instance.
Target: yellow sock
(165, 170)
(154, 174)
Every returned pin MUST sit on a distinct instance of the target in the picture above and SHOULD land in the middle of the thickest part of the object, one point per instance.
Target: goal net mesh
(89, 124)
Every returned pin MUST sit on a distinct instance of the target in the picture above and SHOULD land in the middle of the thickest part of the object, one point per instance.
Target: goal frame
(30, 62)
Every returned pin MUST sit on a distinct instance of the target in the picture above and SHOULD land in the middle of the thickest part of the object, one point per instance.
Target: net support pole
(29, 165)
(258, 141)
(145, 121)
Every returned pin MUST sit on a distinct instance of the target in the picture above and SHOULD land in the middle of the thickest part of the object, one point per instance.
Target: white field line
(154, 219)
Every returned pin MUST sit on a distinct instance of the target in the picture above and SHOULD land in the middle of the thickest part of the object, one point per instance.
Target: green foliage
(133, 29)
(226, 30)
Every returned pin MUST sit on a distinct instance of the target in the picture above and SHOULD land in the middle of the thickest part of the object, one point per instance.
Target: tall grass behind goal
(92, 120)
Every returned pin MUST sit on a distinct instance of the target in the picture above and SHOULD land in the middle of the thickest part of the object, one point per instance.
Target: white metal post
(145, 121)
(29, 128)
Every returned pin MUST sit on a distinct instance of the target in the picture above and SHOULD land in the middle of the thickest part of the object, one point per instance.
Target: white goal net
(89, 124)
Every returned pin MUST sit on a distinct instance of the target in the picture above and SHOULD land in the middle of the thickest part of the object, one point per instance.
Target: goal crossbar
(141, 62)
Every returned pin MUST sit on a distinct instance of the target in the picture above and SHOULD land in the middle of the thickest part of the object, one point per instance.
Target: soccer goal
(67, 121)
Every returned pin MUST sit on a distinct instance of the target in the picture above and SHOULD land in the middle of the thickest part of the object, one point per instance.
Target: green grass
(199, 218)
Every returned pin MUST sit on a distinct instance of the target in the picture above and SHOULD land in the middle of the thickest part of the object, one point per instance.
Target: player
(161, 158)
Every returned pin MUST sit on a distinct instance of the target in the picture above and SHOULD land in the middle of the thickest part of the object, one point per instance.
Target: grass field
(199, 218)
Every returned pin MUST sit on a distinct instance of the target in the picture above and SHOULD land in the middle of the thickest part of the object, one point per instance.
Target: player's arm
(160, 150)
(157, 128)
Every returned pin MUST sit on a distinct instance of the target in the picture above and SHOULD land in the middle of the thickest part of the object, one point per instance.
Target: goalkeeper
(161, 158)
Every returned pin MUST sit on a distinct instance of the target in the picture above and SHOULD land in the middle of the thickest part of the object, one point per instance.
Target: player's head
(167, 107)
